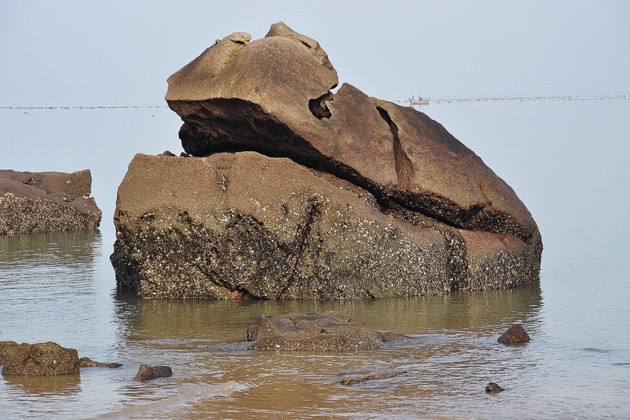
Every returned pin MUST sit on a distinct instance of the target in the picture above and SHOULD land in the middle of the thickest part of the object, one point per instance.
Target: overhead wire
(411, 101)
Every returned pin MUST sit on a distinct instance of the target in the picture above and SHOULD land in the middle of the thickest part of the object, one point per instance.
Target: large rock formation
(296, 192)
(32, 202)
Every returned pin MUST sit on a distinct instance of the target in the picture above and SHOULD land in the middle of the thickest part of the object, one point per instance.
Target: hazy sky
(83, 52)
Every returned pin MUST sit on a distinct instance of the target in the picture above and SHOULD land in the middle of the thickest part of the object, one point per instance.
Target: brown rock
(86, 362)
(42, 359)
(296, 192)
(397, 153)
(206, 227)
(493, 388)
(325, 332)
(146, 372)
(33, 202)
(370, 377)
(514, 335)
(7, 350)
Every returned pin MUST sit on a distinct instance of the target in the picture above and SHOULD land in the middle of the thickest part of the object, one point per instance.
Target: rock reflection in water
(224, 320)
(453, 352)
(48, 249)
(49, 290)
(46, 385)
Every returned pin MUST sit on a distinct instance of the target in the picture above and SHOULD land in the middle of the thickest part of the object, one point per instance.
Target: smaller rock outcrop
(493, 388)
(41, 359)
(325, 332)
(86, 362)
(514, 335)
(375, 376)
(146, 372)
(32, 202)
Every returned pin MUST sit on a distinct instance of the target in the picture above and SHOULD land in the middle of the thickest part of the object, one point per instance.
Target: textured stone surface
(206, 227)
(33, 202)
(325, 332)
(262, 100)
(375, 376)
(296, 192)
(493, 388)
(86, 362)
(42, 359)
(514, 335)
(7, 350)
(146, 372)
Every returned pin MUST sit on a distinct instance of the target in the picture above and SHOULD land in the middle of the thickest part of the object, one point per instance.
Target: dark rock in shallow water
(86, 362)
(146, 372)
(7, 350)
(325, 332)
(353, 380)
(514, 335)
(493, 388)
(41, 359)
(32, 202)
(297, 193)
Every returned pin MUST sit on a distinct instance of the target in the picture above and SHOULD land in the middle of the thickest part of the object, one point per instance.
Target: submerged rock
(32, 202)
(41, 359)
(86, 362)
(514, 335)
(353, 380)
(146, 372)
(294, 192)
(325, 332)
(493, 388)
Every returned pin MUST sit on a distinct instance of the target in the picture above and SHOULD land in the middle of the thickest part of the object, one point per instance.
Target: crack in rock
(404, 167)
(302, 237)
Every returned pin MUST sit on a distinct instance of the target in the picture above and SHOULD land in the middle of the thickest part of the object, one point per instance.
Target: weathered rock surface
(375, 376)
(86, 362)
(7, 350)
(33, 202)
(41, 359)
(514, 335)
(296, 192)
(146, 372)
(325, 332)
(493, 388)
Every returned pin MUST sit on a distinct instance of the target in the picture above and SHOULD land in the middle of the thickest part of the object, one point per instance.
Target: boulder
(32, 202)
(290, 191)
(325, 332)
(514, 335)
(146, 372)
(206, 227)
(41, 359)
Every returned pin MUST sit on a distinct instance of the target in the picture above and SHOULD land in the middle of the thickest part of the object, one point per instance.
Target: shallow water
(58, 286)
(570, 168)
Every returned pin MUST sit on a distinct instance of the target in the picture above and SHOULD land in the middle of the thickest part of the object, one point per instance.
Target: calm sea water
(568, 161)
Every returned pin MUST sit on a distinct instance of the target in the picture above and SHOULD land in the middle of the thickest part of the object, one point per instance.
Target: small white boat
(419, 101)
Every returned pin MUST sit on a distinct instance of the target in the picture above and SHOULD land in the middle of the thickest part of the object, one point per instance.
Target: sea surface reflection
(55, 287)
